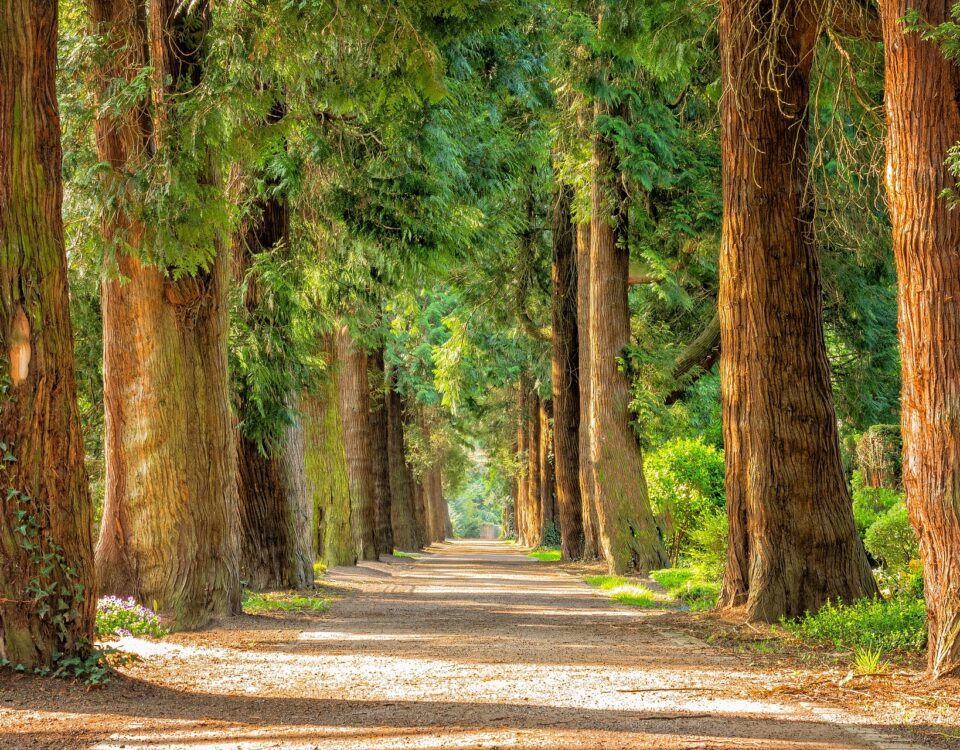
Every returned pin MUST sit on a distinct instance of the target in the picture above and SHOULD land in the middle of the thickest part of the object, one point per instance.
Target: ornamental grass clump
(122, 617)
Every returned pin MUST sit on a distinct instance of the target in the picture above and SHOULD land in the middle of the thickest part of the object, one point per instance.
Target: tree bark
(434, 502)
(549, 517)
(588, 512)
(47, 588)
(403, 514)
(383, 532)
(627, 531)
(325, 465)
(534, 507)
(792, 540)
(357, 441)
(566, 379)
(698, 358)
(408, 412)
(923, 117)
(523, 446)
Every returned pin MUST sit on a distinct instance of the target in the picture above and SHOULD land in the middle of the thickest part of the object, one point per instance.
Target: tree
(354, 389)
(380, 452)
(170, 534)
(566, 379)
(534, 533)
(591, 540)
(923, 119)
(403, 514)
(793, 543)
(47, 591)
(627, 531)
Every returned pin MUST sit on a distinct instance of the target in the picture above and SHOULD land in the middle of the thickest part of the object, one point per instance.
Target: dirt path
(474, 646)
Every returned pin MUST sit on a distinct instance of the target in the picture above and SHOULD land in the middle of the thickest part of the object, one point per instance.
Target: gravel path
(473, 646)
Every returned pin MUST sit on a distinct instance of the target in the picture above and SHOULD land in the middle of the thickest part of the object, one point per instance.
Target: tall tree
(627, 531)
(170, 532)
(403, 515)
(588, 513)
(534, 479)
(793, 543)
(566, 380)
(357, 439)
(47, 592)
(380, 452)
(549, 515)
(521, 509)
(923, 118)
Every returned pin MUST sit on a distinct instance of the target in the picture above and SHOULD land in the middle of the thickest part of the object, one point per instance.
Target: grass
(319, 569)
(255, 603)
(626, 592)
(408, 555)
(693, 586)
(895, 624)
(545, 555)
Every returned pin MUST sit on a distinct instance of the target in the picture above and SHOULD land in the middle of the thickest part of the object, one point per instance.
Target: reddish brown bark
(549, 515)
(566, 380)
(534, 520)
(357, 440)
(380, 453)
(792, 540)
(923, 117)
(588, 513)
(45, 534)
(628, 534)
(402, 510)
(170, 532)
(521, 512)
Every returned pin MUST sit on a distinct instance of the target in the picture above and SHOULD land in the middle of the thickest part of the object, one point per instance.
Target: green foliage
(870, 503)
(867, 661)
(282, 601)
(892, 540)
(551, 535)
(685, 481)
(120, 617)
(545, 555)
(697, 587)
(625, 591)
(895, 624)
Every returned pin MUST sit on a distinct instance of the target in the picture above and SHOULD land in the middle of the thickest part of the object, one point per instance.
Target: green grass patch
(255, 603)
(693, 586)
(625, 591)
(408, 555)
(319, 569)
(896, 624)
(545, 555)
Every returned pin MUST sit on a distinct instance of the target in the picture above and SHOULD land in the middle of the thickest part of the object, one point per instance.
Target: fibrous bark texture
(380, 453)
(792, 539)
(923, 117)
(403, 514)
(566, 380)
(629, 538)
(534, 507)
(45, 535)
(357, 442)
(521, 510)
(325, 464)
(549, 516)
(588, 513)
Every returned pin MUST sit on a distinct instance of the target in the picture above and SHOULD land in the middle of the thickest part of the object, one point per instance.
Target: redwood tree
(923, 117)
(627, 532)
(47, 592)
(380, 453)
(403, 515)
(588, 513)
(566, 380)
(357, 439)
(534, 508)
(170, 532)
(793, 543)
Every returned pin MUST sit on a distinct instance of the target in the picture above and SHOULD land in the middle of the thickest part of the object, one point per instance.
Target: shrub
(892, 540)
(898, 623)
(551, 535)
(869, 503)
(121, 617)
(685, 481)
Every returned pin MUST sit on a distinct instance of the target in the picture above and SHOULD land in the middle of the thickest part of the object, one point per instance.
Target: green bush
(120, 617)
(869, 503)
(898, 623)
(685, 481)
(892, 540)
(551, 535)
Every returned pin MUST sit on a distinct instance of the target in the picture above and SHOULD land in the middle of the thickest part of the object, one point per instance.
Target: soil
(475, 645)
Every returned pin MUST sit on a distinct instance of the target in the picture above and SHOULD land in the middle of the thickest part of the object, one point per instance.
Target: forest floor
(473, 645)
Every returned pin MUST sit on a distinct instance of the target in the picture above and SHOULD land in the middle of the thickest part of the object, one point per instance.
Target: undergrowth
(255, 603)
(625, 591)
(116, 616)
(694, 586)
(545, 555)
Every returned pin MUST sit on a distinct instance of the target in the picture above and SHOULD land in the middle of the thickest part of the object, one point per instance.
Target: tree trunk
(549, 517)
(923, 125)
(523, 478)
(403, 514)
(627, 531)
(792, 539)
(566, 379)
(383, 532)
(325, 464)
(47, 591)
(170, 531)
(588, 512)
(434, 502)
(357, 442)
(534, 507)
